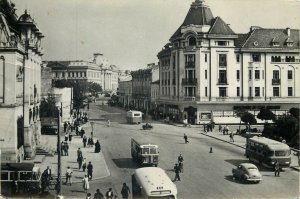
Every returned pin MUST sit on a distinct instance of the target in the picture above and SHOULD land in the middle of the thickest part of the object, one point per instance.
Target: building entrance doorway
(191, 114)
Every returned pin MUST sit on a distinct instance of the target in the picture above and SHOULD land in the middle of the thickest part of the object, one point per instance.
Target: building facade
(125, 92)
(207, 71)
(20, 87)
(96, 70)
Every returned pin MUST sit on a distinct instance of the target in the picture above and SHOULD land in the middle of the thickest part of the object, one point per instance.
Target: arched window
(192, 41)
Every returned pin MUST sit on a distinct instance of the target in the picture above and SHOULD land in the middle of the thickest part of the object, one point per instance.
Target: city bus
(152, 183)
(144, 153)
(134, 117)
(266, 151)
(23, 177)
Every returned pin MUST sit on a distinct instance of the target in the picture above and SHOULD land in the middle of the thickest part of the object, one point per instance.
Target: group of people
(125, 192)
(64, 148)
(224, 129)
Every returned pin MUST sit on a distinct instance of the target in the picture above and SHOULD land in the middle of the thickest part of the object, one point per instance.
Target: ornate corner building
(208, 71)
(20, 80)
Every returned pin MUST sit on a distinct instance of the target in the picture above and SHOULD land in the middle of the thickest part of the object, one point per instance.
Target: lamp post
(58, 156)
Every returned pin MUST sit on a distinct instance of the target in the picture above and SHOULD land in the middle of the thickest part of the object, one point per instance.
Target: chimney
(254, 28)
(288, 32)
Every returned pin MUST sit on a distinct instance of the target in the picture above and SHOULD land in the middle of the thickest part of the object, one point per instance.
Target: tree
(266, 114)
(94, 88)
(248, 118)
(295, 112)
(48, 107)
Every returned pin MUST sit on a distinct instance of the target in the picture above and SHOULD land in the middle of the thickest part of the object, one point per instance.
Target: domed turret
(25, 18)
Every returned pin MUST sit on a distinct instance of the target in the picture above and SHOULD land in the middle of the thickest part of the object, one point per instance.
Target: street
(206, 175)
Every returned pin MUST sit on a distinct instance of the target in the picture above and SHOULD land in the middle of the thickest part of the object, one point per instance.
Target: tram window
(4, 175)
(145, 150)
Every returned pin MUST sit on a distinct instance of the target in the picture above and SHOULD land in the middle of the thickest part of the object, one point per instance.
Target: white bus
(144, 153)
(134, 117)
(266, 151)
(152, 183)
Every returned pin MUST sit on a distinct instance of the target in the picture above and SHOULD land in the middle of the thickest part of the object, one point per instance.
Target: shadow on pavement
(125, 163)
(230, 178)
(236, 162)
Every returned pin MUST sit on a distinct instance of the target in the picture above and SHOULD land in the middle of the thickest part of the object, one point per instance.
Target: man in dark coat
(176, 170)
(97, 147)
(90, 170)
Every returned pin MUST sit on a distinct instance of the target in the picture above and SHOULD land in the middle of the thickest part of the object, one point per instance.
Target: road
(206, 175)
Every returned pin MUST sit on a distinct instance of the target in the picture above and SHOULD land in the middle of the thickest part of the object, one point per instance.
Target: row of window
(257, 92)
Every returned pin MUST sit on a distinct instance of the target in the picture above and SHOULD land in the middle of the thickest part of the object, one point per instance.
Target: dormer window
(192, 41)
(289, 42)
(222, 43)
(275, 43)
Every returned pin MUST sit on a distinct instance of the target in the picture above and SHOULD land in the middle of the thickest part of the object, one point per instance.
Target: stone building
(208, 71)
(125, 92)
(20, 87)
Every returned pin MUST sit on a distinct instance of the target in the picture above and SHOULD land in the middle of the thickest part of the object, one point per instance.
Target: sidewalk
(100, 169)
(240, 141)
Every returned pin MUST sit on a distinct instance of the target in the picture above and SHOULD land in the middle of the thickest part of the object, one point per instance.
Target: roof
(248, 165)
(240, 40)
(264, 38)
(220, 27)
(54, 64)
(154, 178)
(272, 144)
(199, 14)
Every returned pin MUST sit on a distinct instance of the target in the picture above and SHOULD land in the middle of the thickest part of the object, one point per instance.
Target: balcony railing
(12, 45)
(190, 81)
(190, 64)
(222, 82)
(275, 81)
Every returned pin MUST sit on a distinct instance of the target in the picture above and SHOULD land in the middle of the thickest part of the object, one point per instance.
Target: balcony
(275, 81)
(17, 45)
(190, 81)
(222, 82)
(190, 64)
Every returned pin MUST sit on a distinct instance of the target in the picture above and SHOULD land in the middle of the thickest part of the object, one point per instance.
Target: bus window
(145, 151)
(136, 115)
(4, 175)
(153, 150)
(280, 153)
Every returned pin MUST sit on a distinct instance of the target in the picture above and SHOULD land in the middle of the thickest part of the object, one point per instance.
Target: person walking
(66, 147)
(65, 127)
(97, 147)
(98, 195)
(180, 158)
(66, 137)
(83, 165)
(277, 168)
(86, 184)
(70, 137)
(176, 170)
(79, 152)
(69, 176)
(90, 170)
(62, 148)
(185, 139)
(109, 194)
(84, 140)
(108, 123)
(220, 128)
(125, 191)
(79, 160)
(231, 137)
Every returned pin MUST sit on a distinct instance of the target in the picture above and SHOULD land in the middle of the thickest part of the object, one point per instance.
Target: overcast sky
(130, 33)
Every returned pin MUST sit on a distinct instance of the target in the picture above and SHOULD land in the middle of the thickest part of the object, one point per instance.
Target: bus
(134, 117)
(144, 153)
(26, 176)
(152, 183)
(266, 151)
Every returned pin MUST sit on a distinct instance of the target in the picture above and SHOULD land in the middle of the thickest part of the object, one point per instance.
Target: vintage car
(147, 126)
(247, 172)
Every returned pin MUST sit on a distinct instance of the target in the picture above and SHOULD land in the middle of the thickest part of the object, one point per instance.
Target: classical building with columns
(20, 77)
(208, 71)
(96, 69)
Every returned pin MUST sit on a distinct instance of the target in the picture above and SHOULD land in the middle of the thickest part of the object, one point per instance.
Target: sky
(130, 33)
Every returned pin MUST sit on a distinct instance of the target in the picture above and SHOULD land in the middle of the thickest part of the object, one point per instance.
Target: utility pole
(58, 156)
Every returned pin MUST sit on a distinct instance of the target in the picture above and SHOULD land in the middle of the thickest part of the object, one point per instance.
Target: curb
(232, 143)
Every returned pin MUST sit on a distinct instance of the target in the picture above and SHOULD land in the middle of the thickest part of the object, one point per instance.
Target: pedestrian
(98, 195)
(66, 147)
(220, 128)
(176, 170)
(92, 134)
(62, 148)
(84, 140)
(180, 164)
(277, 168)
(69, 176)
(185, 139)
(79, 152)
(88, 196)
(109, 194)
(82, 132)
(231, 137)
(83, 165)
(48, 174)
(79, 160)
(90, 142)
(65, 126)
(125, 191)
(86, 184)
(108, 123)
(44, 182)
(97, 147)
(180, 158)
(90, 170)
(66, 137)
(70, 137)
(226, 129)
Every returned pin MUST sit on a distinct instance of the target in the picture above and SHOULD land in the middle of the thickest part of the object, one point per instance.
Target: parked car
(147, 126)
(246, 172)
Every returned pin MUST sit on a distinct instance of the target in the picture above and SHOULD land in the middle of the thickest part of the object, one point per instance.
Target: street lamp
(58, 156)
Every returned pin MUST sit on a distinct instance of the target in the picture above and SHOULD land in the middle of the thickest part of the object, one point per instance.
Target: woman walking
(86, 184)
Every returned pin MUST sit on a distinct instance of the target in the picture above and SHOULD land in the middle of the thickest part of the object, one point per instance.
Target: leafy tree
(266, 114)
(295, 112)
(48, 107)
(94, 88)
(248, 118)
